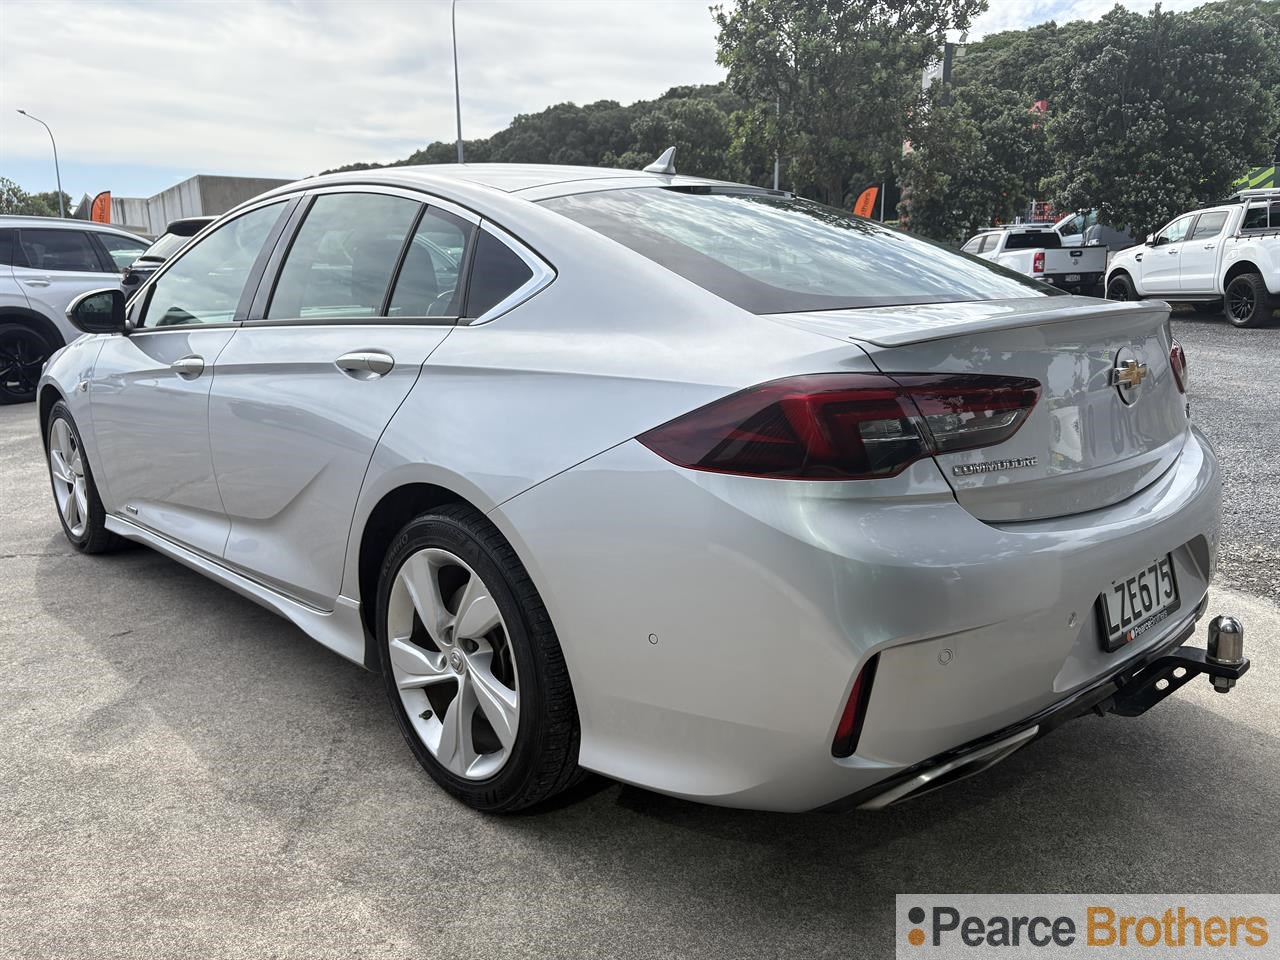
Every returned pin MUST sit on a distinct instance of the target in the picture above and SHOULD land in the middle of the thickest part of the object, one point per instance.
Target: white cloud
(286, 88)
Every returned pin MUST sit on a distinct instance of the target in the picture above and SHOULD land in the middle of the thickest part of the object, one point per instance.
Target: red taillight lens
(855, 711)
(845, 426)
(1178, 363)
(1037, 262)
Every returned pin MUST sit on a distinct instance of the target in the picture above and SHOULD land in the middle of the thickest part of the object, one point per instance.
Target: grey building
(198, 196)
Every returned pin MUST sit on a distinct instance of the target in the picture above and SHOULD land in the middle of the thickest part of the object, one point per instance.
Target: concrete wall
(198, 196)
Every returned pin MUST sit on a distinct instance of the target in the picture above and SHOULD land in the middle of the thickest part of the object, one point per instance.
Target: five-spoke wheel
(66, 467)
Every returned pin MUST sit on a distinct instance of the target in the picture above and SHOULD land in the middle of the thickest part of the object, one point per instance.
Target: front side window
(342, 259)
(429, 281)
(1174, 232)
(973, 246)
(7, 243)
(69, 250)
(122, 250)
(775, 254)
(204, 285)
(1209, 225)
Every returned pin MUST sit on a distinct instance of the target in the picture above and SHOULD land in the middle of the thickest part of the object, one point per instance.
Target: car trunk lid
(1090, 441)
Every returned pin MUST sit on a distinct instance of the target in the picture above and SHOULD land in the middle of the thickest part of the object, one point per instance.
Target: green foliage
(1169, 112)
(15, 200)
(829, 85)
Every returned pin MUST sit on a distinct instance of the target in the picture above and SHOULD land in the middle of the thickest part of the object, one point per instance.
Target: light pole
(457, 89)
(62, 209)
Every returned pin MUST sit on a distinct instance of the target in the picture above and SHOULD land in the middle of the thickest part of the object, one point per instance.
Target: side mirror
(98, 311)
(1151, 239)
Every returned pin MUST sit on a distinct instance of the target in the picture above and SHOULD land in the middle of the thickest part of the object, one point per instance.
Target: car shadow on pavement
(272, 727)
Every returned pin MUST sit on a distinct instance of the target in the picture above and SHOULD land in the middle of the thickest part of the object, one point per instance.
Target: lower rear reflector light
(855, 711)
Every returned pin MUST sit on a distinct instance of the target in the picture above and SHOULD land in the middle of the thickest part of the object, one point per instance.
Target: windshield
(775, 254)
(165, 247)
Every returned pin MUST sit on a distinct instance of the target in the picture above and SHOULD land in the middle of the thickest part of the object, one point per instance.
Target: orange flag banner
(100, 211)
(866, 204)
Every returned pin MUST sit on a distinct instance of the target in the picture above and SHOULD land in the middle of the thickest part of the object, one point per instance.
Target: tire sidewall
(1261, 301)
(1122, 281)
(6, 326)
(60, 412)
(446, 532)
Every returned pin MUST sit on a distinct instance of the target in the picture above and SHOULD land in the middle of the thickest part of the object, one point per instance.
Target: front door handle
(188, 368)
(1210, 246)
(365, 364)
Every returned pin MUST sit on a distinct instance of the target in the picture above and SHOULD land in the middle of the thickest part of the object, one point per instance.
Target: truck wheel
(1121, 288)
(1248, 304)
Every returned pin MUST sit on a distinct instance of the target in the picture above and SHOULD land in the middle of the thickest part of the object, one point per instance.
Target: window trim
(541, 276)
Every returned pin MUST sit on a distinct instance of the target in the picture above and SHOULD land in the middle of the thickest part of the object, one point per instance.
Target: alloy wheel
(1117, 291)
(1241, 301)
(66, 464)
(451, 660)
(22, 356)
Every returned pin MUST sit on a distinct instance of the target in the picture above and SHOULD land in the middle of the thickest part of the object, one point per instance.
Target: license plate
(1073, 277)
(1136, 604)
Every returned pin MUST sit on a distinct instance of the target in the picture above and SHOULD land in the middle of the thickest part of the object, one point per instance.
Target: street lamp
(457, 88)
(62, 209)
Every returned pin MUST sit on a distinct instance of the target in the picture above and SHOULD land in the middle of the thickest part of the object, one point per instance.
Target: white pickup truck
(1224, 258)
(1037, 251)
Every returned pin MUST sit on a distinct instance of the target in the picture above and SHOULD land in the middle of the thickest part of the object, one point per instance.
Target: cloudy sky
(143, 94)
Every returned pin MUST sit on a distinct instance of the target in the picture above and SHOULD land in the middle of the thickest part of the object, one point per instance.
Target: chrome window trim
(542, 276)
(421, 196)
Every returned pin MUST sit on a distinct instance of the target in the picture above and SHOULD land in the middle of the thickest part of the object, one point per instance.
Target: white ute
(1037, 251)
(1222, 258)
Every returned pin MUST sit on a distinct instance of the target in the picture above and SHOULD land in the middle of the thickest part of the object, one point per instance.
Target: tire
(1120, 287)
(1210, 308)
(445, 683)
(23, 352)
(1247, 303)
(75, 495)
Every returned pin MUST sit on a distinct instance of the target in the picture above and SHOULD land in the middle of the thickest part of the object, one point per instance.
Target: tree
(1164, 111)
(15, 200)
(830, 84)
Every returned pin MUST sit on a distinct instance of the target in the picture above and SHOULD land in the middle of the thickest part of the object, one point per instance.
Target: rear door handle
(188, 368)
(38, 281)
(365, 364)
(1210, 246)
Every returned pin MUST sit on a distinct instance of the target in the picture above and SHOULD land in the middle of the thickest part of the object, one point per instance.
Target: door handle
(37, 281)
(1174, 253)
(1210, 246)
(365, 364)
(188, 368)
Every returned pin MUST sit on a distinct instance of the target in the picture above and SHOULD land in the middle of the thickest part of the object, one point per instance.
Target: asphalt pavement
(186, 775)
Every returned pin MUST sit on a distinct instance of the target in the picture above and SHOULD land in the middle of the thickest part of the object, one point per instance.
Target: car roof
(62, 223)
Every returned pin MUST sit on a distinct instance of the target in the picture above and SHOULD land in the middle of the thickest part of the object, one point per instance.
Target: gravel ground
(1235, 399)
(186, 775)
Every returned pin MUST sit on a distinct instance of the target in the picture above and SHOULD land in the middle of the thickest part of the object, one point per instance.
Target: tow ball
(1224, 662)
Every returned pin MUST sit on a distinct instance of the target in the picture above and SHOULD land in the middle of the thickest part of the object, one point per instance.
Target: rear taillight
(855, 711)
(1037, 262)
(845, 426)
(1178, 363)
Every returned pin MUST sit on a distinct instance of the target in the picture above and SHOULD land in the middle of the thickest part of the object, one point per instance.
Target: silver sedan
(699, 486)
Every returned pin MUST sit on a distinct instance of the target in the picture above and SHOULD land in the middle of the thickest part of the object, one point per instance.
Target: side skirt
(341, 630)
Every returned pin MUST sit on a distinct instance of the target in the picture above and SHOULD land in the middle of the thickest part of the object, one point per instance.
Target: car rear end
(864, 580)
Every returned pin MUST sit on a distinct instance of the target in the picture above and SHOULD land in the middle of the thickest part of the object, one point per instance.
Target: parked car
(44, 264)
(176, 236)
(696, 485)
(1084, 230)
(1224, 258)
(1037, 251)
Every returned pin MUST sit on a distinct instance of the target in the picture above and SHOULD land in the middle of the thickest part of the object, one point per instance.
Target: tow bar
(1224, 662)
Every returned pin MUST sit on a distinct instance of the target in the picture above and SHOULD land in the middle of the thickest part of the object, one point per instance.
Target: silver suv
(44, 264)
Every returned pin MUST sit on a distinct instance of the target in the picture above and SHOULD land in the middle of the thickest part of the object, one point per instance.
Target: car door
(53, 265)
(1161, 263)
(1198, 264)
(149, 391)
(367, 288)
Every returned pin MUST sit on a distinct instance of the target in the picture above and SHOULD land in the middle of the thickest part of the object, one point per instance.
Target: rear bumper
(713, 625)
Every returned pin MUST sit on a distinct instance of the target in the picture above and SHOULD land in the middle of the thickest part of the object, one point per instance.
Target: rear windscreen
(1033, 241)
(770, 253)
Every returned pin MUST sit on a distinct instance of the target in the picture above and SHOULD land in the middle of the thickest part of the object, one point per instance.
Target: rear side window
(429, 281)
(122, 250)
(1209, 225)
(342, 259)
(54, 250)
(7, 243)
(496, 273)
(776, 254)
(1033, 241)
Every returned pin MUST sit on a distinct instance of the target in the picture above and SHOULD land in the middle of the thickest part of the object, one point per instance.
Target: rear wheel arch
(36, 321)
(1244, 266)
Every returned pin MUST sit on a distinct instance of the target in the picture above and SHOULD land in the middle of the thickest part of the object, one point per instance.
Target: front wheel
(84, 521)
(23, 353)
(472, 665)
(1248, 304)
(1120, 287)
